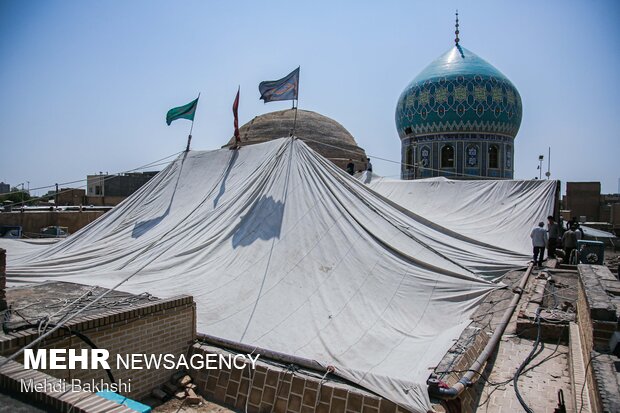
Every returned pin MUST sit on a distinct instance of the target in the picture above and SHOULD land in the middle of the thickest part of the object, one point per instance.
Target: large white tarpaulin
(284, 251)
(497, 212)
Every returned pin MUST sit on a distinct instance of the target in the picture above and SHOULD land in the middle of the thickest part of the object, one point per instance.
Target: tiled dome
(459, 92)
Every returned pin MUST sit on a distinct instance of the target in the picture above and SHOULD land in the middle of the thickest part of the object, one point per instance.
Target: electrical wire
(585, 378)
(415, 165)
(148, 165)
(525, 362)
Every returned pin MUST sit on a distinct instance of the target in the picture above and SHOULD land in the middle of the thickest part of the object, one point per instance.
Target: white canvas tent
(284, 251)
(498, 212)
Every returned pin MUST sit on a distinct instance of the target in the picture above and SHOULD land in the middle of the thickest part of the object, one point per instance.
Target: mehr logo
(63, 359)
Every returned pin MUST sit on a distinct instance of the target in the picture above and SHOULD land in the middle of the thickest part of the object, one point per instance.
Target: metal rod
(296, 106)
(295, 119)
(549, 164)
(191, 128)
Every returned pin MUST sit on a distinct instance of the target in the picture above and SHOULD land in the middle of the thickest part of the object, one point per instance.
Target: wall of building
(615, 218)
(471, 156)
(70, 196)
(597, 316)
(117, 185)
(165, 326)
(32, 221)
(583, 199)
(104, 200)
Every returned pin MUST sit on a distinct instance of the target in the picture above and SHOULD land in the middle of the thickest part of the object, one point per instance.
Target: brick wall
(598, 319)
(272, 388)
(470, 396)
(583, 199)
(158, 327)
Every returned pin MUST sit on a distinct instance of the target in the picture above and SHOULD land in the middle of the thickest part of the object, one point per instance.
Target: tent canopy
(282, 250)
(497, 212)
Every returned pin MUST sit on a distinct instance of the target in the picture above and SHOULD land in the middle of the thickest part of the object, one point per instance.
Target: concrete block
(192, 397)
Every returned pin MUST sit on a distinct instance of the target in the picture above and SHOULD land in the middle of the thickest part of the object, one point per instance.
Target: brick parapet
(597, 316)
(164, 326)
(272, 388)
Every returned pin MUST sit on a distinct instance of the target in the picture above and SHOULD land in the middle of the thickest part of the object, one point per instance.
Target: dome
(459, 92)
(323, 134)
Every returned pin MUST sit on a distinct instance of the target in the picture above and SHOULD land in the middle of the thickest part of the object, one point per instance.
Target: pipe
(466, 381)
(271, 354)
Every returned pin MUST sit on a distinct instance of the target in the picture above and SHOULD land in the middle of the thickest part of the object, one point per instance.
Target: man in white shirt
(539, 241)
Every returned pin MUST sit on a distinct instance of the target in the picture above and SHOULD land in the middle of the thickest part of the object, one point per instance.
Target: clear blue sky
(85, 85)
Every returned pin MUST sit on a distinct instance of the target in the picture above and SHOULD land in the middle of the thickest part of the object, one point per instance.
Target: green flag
(182, 112)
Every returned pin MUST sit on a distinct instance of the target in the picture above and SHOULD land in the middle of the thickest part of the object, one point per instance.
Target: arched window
(472, 156)
(493, 156)
(508, 157)
(409, 158)
(447, 156)
(425, 157)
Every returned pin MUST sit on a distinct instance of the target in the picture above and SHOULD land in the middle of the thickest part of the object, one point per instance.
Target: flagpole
(189, 138)
(296, 106)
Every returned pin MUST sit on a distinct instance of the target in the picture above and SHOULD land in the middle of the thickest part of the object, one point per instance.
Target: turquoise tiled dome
(459, 92)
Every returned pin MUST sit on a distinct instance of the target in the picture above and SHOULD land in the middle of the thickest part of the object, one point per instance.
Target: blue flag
(283, 89)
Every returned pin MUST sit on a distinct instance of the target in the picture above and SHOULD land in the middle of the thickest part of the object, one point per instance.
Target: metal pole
(191, 128)
(295, 106)
(476, 367)
(295, 120)
(548, 174)
(189, 137)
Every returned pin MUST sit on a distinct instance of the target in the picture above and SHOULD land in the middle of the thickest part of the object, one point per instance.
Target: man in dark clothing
(569, 240)
(553, 233)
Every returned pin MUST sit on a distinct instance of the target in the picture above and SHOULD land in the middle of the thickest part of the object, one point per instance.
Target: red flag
(235, 109)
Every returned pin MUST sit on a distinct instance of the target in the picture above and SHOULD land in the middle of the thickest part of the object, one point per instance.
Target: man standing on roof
(553, 233)
(569, 240)
(368, 165)
(539, 240)
(578, 232)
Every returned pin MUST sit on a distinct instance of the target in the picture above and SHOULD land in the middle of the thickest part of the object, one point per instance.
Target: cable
(330, 369)
(525, 362)
(415, 165)
(148, 165)
(76, 333)
(585, 378)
